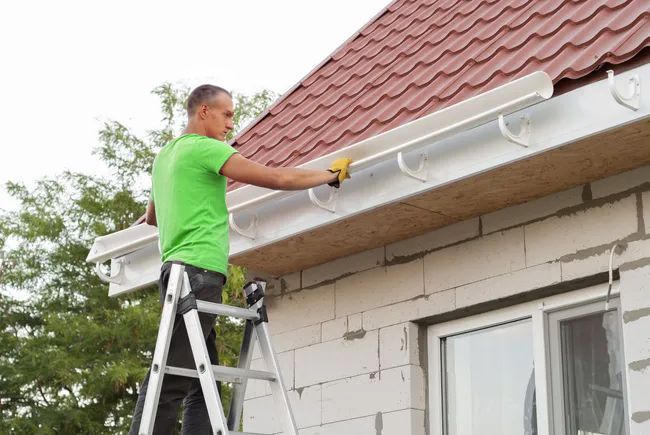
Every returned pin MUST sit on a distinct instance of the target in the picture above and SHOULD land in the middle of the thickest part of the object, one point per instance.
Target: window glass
(489, 381)
(592, 375)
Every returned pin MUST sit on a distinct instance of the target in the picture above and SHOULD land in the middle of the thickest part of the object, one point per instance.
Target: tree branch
(40, 390)
(69, 390)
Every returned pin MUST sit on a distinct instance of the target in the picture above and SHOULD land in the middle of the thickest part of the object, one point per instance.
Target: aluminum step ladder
(180, 299)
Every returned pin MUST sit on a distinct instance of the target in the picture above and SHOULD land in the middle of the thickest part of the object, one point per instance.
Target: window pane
(592, 375)
(490, 382)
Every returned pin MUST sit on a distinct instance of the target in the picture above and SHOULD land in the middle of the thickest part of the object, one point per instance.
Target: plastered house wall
(355, 362)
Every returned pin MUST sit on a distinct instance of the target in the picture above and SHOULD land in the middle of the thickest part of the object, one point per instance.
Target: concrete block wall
(355, 363)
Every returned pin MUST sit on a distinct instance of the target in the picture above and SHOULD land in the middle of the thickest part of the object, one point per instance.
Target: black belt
(195, 269)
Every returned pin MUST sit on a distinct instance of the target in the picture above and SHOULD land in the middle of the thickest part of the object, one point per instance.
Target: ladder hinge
(254, 291)
(186, 304)
(263, 316)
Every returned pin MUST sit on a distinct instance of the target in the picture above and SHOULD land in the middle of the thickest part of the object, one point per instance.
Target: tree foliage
(71, 359)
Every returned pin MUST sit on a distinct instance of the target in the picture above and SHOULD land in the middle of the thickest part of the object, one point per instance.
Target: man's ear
(203, 111)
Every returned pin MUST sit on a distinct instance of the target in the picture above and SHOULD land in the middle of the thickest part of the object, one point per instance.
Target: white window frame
(538, 311)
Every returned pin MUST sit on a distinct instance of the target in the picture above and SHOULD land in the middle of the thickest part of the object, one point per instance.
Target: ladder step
(223, 373)
(226, 310)
(245, 433)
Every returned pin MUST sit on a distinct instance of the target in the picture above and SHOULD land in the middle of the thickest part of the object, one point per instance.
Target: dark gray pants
(206, 285)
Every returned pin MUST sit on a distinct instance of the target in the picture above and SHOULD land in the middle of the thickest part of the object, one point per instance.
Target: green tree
(71, 358)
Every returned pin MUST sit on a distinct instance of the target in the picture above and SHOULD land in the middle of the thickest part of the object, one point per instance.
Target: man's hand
(150, 215)
(341, 167)
(241, 169)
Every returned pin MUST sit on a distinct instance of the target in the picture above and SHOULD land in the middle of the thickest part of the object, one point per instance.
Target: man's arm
(241, 169)
(150, 216)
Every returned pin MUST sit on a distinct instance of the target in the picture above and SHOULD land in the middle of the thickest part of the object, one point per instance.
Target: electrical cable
(611, 274)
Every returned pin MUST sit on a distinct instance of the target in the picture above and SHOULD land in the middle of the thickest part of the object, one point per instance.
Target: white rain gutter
(391, 144)
(452, 144)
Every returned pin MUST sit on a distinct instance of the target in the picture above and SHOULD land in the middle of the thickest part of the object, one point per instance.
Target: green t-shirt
(190, 199)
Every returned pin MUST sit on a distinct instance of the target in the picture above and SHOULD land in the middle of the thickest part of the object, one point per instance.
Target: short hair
(203, 95)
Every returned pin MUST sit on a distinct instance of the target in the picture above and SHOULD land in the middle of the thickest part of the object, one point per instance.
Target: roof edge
(457, 160)
(554, 123)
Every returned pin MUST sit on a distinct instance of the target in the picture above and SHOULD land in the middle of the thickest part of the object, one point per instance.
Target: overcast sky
(67, 66)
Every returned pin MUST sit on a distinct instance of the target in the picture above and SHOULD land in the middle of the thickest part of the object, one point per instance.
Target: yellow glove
(340, 166)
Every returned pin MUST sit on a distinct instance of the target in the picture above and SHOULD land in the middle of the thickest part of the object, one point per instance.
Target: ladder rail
(277, 388)
(239, 390)
(206, 376)
(156, 373)
(203, 365)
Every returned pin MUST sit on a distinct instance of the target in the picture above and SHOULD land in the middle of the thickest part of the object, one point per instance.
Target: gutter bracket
(419, 173)
(329, 204)
(249, 232)
(523, 137)
(633, 99)
(115, 279)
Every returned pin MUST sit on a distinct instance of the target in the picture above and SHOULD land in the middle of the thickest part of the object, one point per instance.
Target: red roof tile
(417, 57)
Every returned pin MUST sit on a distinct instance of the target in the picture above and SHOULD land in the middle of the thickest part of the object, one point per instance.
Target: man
(188, 204)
